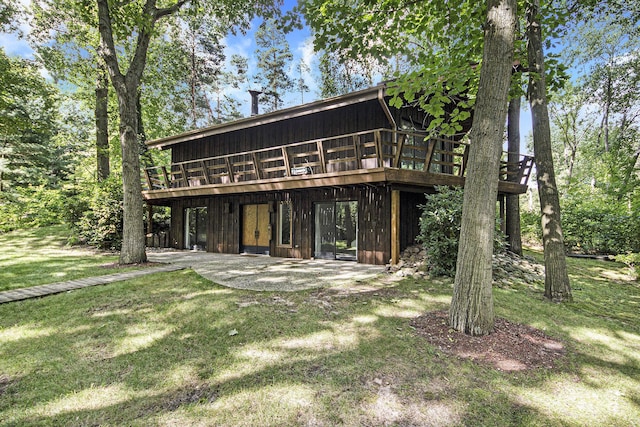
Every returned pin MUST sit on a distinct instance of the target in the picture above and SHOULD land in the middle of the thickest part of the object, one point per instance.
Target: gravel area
(265, 273)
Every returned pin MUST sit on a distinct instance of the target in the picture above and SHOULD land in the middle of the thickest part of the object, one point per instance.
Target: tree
(134, 24)
(438, 41)
(274, 56)
(28, 125)
(471, 308)
(340, 76)
(513, 155)
(68, 48)
(557, 286)
(299, 84)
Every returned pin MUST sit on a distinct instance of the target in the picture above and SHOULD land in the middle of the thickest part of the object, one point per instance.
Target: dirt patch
(511, 347)
(5, 382)
(189, 395)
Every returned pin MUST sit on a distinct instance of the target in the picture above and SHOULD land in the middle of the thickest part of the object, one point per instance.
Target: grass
(176, 349)
(40, 256)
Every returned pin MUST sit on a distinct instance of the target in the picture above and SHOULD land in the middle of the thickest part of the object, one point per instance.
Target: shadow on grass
(173, 348)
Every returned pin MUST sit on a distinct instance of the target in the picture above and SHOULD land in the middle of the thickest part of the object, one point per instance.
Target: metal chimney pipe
(254, 101)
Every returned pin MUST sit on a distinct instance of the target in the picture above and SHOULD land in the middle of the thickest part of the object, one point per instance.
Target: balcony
(380, 155)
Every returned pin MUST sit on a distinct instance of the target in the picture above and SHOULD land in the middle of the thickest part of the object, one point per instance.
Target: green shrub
(440, 230)
(530, 226)
(96, 214)
(595, 224)
(632, 260)
(30, 207)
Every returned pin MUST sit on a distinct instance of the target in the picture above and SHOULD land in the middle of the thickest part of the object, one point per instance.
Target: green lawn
(176, 349)
(40, 256)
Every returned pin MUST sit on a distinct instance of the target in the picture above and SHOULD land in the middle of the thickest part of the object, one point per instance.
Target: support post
(395, 226)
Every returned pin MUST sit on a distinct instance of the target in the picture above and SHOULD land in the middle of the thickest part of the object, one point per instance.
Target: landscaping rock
(508, 267)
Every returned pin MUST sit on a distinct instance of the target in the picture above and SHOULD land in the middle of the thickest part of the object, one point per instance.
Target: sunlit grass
(175, 349)
(41, 256)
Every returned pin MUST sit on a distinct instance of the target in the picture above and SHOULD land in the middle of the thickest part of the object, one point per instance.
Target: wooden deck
(381, 155)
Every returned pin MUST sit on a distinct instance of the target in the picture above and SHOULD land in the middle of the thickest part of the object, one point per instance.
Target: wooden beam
(323, 162)
(146, 174)
(229, 169)
(165, 174)
(395, 227)
(205, 172)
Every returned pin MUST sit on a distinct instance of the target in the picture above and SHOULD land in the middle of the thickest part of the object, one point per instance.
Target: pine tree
(274, 57)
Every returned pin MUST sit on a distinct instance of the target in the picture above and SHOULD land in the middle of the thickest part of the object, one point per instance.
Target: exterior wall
(333, 122)
(225, 220)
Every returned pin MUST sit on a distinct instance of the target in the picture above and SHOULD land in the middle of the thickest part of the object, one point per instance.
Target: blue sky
(300, 42)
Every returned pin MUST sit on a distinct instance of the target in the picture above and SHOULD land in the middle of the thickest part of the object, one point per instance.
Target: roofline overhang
(369, 94)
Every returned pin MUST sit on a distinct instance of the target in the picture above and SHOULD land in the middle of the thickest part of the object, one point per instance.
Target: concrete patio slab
(265, 273)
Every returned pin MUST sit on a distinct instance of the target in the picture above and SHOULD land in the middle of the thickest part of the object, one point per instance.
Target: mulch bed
(511, 347)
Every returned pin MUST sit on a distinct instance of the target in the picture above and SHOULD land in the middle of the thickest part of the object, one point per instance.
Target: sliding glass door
(336, 230)
(195, 229)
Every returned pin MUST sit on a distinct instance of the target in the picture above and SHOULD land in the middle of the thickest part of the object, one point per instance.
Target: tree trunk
(126, 87)
(557, 286)
(472, 304)
(102, 123)
(514, 237)
(133, 236)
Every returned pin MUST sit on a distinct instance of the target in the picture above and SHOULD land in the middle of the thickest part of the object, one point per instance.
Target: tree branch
(159, 13)
(107, 48)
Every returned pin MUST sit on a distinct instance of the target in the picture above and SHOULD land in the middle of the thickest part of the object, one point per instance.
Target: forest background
(198, 75)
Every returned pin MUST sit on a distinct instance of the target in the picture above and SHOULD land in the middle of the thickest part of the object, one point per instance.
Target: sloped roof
(272, 117)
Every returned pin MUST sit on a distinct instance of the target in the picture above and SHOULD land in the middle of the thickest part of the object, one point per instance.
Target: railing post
(185, 181)
(431, 143)
(378, 143)
(167, 180)
(204, 172)
(285, 157)
(323, 163)
(229, 169)
(399, 147)
(146, 174)
(356, 150)
(256, 165)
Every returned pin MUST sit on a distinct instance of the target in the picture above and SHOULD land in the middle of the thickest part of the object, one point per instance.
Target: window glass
(284, 224)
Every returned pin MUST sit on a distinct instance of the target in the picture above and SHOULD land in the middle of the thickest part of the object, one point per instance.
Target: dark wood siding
(339, 121)
(223, 236)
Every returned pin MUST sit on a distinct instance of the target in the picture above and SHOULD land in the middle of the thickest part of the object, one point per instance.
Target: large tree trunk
(102, 123)
(126, 87)
(472, 304)
(514, 234)
(133, 236)
(556, 283)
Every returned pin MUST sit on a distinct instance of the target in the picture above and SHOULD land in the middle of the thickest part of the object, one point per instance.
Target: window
(195, 228)
(284, 224)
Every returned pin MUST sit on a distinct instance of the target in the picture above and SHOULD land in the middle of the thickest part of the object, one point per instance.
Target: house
(339, 178)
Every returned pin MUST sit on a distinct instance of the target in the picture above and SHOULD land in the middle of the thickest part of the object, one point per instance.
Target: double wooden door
(256, 232)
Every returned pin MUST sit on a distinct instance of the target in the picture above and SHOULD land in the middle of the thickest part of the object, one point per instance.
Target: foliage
(596, 223)
(274, 57)
(632, 260)
(32, 206)
(436, 42)
(28, 126)
(339, 76)
(440, 230)
(95, 213)
(530, 226)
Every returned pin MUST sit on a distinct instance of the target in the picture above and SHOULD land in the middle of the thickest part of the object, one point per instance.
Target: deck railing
(362, 150)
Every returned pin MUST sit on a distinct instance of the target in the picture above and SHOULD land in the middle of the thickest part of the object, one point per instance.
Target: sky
(301, 45)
